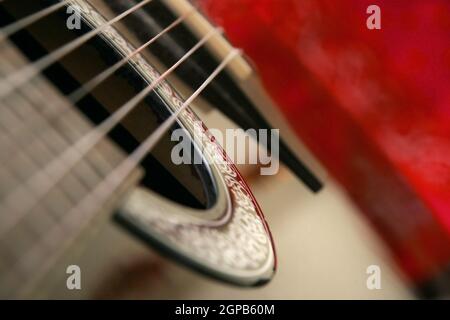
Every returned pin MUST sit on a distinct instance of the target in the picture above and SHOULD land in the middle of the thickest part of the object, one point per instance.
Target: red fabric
(373, 105)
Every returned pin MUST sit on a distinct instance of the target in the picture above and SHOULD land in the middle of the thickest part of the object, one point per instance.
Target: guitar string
(73, 96)
(26, 73)
(60, 166)
(93, 201)
(53, 111)
(14, 27)
(78, 94)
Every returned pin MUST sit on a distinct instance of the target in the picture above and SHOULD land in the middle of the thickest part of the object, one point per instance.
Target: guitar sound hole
(191, 185)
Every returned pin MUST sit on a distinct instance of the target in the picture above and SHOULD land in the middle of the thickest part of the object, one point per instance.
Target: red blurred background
(373, 106)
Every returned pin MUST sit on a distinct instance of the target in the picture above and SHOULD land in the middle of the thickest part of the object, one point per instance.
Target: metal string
(79, 215)
(53, 113)
(26, 73)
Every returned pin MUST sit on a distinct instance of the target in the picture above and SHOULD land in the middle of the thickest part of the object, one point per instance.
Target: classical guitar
(86, 112)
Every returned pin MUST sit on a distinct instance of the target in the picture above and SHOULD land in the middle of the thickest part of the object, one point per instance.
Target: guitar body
(57, 186)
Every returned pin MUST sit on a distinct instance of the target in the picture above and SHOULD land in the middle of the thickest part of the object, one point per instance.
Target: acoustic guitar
(89, 96)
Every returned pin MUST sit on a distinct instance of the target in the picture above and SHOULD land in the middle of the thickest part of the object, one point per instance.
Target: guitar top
(85, 123)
